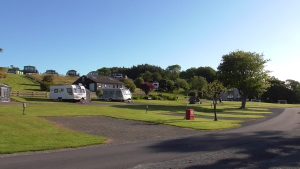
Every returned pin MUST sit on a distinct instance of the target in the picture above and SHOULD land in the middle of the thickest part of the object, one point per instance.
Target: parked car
(194, 100)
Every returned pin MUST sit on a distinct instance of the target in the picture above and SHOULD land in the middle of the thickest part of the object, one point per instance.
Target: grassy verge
(27, 133)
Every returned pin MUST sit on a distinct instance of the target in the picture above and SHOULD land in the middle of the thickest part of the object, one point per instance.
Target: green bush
(45, 86)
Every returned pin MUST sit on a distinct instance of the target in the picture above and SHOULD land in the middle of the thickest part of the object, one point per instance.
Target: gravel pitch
(121, 131)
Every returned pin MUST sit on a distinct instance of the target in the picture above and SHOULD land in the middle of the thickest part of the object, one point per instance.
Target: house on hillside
(93, 83)
(93, 73)
(30, 70)
(4, 93)
(231, 95)
(15, 70)
(156, 85)
(72, 73)
(51, 72)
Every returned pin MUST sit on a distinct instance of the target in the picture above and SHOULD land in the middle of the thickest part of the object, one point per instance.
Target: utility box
(189, 114)
(4, 93)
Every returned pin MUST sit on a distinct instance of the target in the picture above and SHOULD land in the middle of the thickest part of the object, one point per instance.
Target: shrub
(45, 86)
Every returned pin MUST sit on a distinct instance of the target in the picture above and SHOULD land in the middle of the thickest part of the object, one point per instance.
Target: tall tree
(207, 72)
(138, 82)
(198, 84)
(129, 84)
(156, 76)
(173, 71)
(278, 90)
(244, 71)
(104, 71)
(214, 91)
(147, 76)
(181, 83)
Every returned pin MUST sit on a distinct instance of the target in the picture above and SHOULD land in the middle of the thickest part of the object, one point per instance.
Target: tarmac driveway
(121, 131)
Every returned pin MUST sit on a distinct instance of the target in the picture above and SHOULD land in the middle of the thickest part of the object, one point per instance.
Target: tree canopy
(244, 71)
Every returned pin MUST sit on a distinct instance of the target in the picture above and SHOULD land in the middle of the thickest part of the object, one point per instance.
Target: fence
(28, 94)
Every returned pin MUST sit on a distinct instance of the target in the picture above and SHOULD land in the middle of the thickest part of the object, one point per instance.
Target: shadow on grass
(263, 149)
(38, 99)
(26, 84)
(176, 108)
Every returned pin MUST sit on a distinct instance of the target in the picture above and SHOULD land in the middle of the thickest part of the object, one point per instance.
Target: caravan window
(69, 90)
(55, 90)
(119, 94)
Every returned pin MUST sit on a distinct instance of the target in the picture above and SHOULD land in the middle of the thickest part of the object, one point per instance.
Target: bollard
(147, 107)
(24, 107)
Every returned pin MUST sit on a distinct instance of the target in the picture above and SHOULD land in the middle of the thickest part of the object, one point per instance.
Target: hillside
(57, 80)
(20, 83)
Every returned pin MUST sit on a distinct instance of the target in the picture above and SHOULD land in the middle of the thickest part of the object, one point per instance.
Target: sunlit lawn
(32, 132)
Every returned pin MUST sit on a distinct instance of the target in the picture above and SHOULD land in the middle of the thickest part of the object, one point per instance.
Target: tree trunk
(244, 100)
(215, 109)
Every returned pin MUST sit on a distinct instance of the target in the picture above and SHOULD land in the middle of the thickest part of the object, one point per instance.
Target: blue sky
(89, 34)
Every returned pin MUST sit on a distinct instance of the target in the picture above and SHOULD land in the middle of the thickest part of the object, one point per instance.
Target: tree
(207, 72)
(181, 83)
(147, 76)
(198, 84)
(1, 50)
(104, 71)
(138, 82)
(280, 90)
(147, 87)
(46, 82)
(244, 71)
(173, 71)
(129, 84)
(214, 91)
(170, 85)
(156, 76)
(189, 73)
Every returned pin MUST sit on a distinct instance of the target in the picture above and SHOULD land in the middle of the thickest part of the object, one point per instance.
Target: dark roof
(104, 79)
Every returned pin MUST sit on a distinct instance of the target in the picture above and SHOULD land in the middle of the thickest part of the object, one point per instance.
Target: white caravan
(118, 94)
(68, 92)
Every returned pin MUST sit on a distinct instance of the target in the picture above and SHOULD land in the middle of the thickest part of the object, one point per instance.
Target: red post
(189, 114)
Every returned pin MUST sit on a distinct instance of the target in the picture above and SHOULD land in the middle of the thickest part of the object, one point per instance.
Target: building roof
(104, 79)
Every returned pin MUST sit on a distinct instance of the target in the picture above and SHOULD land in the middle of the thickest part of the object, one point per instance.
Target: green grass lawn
(29, 133)
(32, 132)
(20, 83)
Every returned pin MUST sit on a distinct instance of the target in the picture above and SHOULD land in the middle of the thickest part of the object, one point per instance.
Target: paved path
(121, 131)
(271, 144)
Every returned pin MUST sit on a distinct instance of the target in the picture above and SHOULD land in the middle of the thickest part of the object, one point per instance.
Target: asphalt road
(274, 143)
